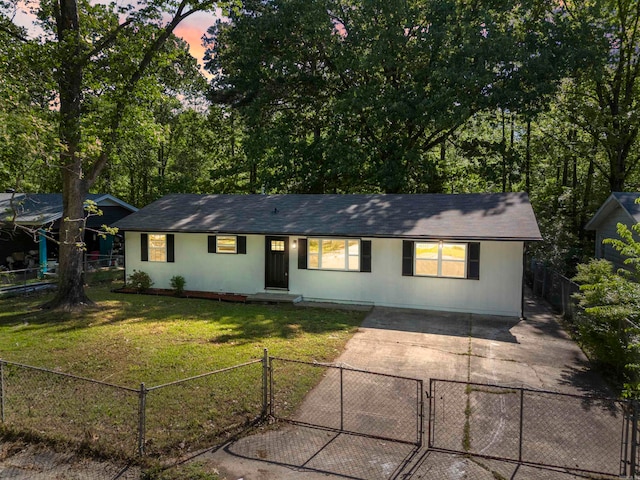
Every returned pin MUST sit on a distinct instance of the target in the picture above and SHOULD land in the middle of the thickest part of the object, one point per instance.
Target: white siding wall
(497, 292)
(203, 271)
(609, 229)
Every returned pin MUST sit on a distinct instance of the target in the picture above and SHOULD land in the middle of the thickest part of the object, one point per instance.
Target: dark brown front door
(276, 274)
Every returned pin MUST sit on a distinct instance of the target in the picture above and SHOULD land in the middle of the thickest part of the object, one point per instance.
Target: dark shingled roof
(626, 200)
(506, 216)
(44, 208)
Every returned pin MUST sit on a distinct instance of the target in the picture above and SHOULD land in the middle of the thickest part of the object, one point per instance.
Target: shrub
(177, 283)
(140, 280)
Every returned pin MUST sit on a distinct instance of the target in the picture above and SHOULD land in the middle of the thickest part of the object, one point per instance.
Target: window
(157, 247)
(226, 244)
(277, 245)
(441, 259)
(333, 254)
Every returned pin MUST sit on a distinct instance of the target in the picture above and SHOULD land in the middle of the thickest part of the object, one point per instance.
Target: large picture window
(333, 254)
(439, 259)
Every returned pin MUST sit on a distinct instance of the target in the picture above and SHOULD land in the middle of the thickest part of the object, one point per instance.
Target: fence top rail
(68, 375)
(351, 369)
(532, 390)
(21, 270)
(202, 375)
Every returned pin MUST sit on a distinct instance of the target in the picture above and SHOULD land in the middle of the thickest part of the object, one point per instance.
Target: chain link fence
(70, 409)
(121, 421)
(531, 427)
(193, 412)
(348, 400)
(555, 288)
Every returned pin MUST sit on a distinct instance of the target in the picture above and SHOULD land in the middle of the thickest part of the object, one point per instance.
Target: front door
(276, 273)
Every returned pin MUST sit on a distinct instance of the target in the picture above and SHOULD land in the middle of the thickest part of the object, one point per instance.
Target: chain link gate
(348, 400)
(531, 427)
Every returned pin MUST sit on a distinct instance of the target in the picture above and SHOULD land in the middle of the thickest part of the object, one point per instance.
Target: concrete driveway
(533, 352)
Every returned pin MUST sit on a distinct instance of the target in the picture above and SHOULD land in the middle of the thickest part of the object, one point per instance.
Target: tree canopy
(313, 96)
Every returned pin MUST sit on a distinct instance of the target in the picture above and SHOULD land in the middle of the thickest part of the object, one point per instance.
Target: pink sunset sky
(191, 29)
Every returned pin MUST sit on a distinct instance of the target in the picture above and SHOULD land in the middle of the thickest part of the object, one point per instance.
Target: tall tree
(98, 51)
(604, 97)
(345, 96)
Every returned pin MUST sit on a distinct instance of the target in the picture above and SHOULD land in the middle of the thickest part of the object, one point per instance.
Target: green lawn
(128, 339)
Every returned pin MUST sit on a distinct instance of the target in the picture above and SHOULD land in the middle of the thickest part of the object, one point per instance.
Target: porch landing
(274, 297)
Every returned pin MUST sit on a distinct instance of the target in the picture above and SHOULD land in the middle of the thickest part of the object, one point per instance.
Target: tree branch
(13, 31)
(130, 85)
(108, 40)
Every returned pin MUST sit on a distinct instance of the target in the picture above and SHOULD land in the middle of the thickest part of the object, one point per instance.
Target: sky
(191, 30)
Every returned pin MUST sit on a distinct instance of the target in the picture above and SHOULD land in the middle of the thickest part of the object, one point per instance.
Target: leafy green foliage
(609, 303)
(343, 96)
(628, 246)
(177, 283)
(140, 280)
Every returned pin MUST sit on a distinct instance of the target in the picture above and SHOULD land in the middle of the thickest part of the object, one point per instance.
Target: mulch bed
(221, 297)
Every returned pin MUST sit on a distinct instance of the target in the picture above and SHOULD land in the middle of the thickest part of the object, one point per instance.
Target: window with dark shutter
(171, 257)
(211, 244)
(473, 261)
(144, 247)
(365, 252)
(302, 253)
(407, 258)
(242, 244)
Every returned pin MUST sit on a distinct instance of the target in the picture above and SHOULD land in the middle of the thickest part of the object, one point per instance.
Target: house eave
(402, 236)
(609, 205)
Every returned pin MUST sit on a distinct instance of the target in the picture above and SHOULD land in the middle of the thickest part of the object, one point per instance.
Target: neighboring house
(19, 249)
(441, 252)
(620, 207)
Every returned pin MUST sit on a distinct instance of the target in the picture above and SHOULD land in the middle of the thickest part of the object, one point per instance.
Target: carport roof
(479, 216)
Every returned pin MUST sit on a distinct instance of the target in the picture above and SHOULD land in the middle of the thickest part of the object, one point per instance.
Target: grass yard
(129, 339)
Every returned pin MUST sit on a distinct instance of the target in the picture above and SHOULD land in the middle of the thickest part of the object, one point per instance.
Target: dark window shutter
(144, 247)
(171, 248)
(302, 253)
(473, 261)
(241, 244)
(407, 258)
(365, 255)
(211, 244)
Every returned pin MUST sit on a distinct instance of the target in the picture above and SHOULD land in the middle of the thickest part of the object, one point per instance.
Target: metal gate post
(521, 424)
(431, 410)
(634, 437)
(341, 402)
(420, 419)
(142, 406)
(265, 382)
(2, 392)
(271, 387)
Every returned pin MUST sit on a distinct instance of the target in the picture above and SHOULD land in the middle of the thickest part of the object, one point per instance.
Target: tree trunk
(527, 165)
(70, 291)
